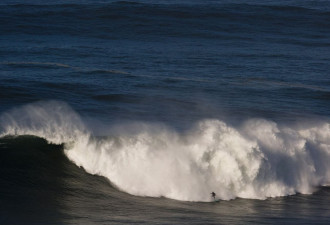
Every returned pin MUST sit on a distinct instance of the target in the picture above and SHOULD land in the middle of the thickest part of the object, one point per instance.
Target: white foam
(258, 160)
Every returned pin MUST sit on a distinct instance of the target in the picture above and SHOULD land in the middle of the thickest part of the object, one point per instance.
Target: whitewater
(256, 160)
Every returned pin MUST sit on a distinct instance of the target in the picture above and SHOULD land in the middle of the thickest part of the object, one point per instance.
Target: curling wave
(259, 159)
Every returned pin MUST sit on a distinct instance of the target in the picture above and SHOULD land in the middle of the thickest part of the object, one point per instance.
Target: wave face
(258, 159)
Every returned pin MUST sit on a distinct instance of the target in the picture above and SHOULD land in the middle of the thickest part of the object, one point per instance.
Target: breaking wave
(259, 159)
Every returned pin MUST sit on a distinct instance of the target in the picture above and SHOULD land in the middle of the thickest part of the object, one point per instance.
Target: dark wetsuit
(213, 195)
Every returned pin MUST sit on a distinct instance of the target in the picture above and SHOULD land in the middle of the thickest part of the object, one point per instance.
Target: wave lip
(258, 160)
(53, 120)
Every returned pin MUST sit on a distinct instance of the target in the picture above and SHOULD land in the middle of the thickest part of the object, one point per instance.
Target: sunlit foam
(260, 159)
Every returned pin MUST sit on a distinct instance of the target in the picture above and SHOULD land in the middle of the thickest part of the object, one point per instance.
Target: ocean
(133, 112)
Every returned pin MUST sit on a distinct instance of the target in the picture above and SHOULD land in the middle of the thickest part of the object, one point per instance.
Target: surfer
(213, 195)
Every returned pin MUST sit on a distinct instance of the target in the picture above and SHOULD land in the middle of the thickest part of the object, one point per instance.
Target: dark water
(156, 106)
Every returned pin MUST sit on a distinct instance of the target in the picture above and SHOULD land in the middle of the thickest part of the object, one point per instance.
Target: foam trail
(258, 160)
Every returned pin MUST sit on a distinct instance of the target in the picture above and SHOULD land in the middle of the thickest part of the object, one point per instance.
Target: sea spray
(52, 120)
(260, 159)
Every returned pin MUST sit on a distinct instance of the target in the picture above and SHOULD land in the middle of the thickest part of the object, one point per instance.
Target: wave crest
(260, 159)
(53, 120)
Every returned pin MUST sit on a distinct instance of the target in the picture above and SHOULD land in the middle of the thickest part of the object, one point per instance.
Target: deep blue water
(142, 77)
